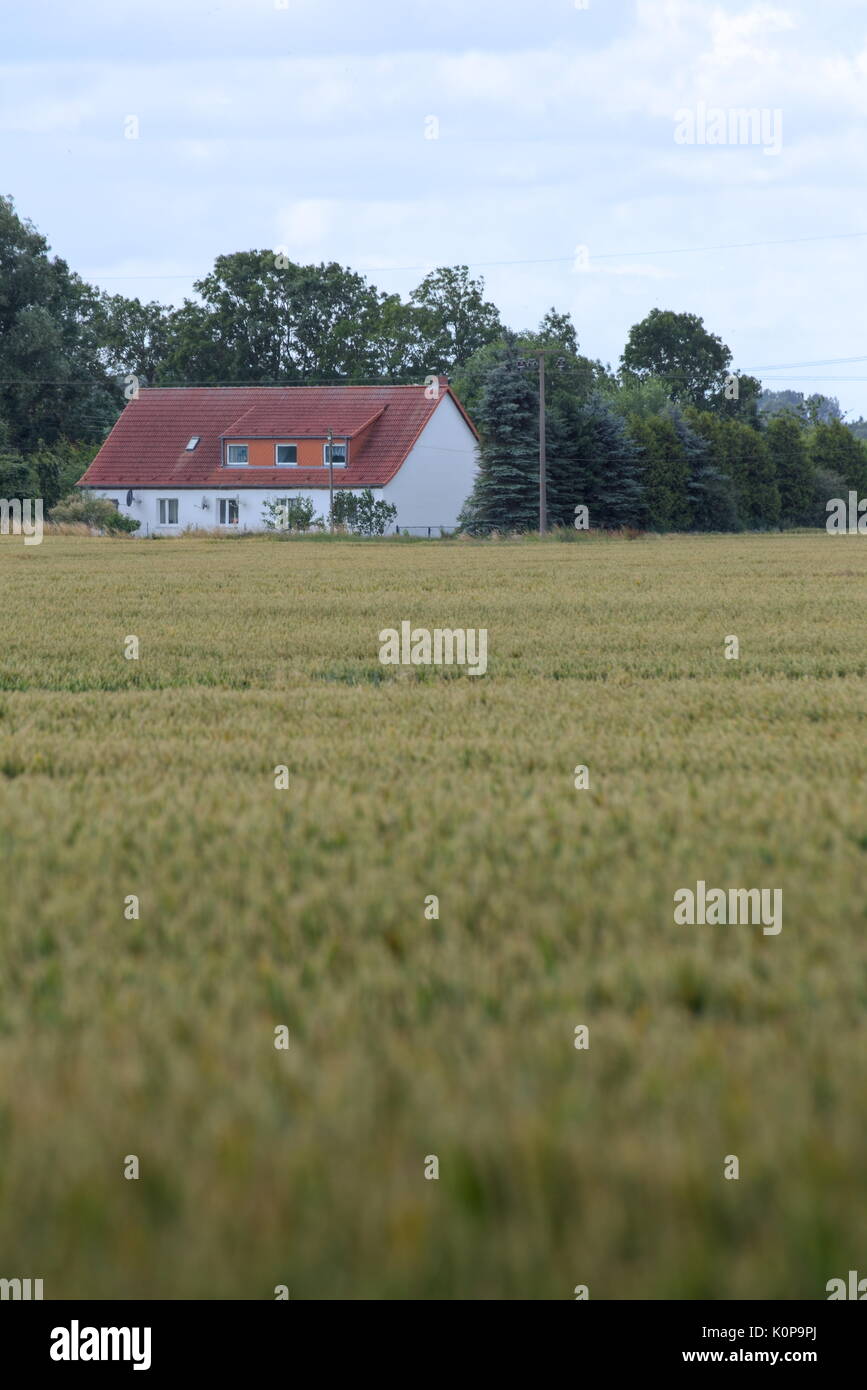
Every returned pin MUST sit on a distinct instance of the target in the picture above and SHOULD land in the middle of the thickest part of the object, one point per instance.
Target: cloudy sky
(307, 124)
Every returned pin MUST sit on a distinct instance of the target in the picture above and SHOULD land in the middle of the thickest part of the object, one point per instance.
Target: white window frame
(233, 463)
(226, 503)
(164, 505)
(336, 444)
(285, 444)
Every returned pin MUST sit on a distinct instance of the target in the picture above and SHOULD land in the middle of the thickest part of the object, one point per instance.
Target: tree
(834, 449)
(59, 468)
(638, 396)
(666, 473)
(794, 475)
(752, 463)
(363, 514)
(558, 330)
(398, 345)
(134, 337)
(18, 479)
(679, 350)
(827, 486)
(741, 452)
(454, 318)
(506, 492)
(710, 490)
(594, 463)
(53, 385)
(812, 410)
(568, 373)
(374, 515)
(267, 320)
(744, 405)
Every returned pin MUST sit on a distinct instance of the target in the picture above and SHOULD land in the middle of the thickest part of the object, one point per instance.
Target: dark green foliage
(506, 492)
(679, 350)
(827, 486)
(53, 385)
(454, 319)
(594, 463)
(741, 453)
(364, 514)
(788, 451)
(666, 473)
(710, 489)
(835, 449)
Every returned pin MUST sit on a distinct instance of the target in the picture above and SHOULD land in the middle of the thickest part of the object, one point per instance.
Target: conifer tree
(505, 496)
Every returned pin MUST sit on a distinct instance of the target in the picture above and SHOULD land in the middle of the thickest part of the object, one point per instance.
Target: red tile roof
(147, 446)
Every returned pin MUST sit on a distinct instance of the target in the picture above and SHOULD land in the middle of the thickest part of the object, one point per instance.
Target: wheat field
(409, 1036)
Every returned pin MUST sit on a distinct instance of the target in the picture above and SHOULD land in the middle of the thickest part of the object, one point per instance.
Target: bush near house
(295, 514)
(95, 512)
(363, 515)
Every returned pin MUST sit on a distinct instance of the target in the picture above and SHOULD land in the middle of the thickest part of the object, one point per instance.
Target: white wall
(437, 477)
(191, 512)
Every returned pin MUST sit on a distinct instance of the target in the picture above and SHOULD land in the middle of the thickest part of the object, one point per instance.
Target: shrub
(363, 515)
(295, 514)
(95, 512)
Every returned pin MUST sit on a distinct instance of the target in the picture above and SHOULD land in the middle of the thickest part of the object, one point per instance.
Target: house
(211, 456)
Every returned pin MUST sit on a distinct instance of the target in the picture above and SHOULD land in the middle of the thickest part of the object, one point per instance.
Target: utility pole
(543, 481)
(331, 480)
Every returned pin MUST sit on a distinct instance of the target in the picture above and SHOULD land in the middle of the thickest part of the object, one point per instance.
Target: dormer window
(286, 455)
(338, 456)
(236, 455)
(192, 443)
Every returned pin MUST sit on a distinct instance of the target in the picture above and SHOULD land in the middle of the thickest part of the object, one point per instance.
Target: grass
(412, 1037)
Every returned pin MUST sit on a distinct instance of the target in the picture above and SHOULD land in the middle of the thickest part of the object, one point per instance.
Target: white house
(211, 456)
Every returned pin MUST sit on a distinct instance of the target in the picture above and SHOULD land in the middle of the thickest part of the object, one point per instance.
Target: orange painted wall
(261, 453)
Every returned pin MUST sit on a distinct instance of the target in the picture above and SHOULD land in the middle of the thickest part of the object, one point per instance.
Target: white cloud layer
(305, 126)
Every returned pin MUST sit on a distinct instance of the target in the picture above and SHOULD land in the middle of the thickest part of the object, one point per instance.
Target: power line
(548, 260)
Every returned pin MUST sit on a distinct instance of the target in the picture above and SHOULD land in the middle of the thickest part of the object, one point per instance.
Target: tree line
(674, 438)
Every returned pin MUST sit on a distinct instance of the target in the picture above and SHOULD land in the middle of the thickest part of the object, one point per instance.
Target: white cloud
(305, 127)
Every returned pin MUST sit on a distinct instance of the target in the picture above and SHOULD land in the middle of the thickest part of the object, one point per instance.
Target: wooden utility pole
(331, 480)
(543, 480)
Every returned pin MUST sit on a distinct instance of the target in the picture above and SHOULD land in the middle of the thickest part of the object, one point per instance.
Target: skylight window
(192, 443)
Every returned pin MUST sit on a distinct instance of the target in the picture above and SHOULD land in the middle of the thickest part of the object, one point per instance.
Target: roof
(148, 444)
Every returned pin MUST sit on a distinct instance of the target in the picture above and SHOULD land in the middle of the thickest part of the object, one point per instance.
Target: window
(168, 511)
(338, 456)
(236, 455)
(193, 442)
(228, 511)
(287, 453)
(114, 502)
